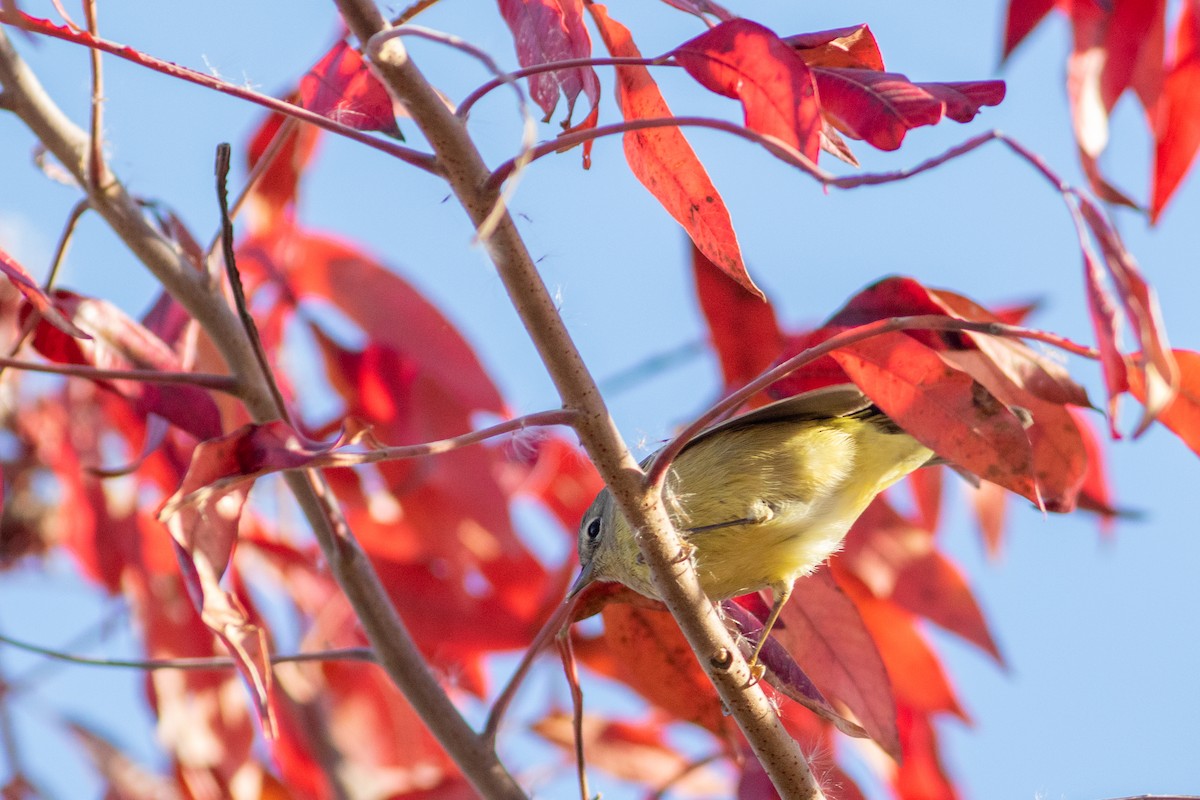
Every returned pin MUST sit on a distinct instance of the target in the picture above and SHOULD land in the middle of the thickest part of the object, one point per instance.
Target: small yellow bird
(762, 499)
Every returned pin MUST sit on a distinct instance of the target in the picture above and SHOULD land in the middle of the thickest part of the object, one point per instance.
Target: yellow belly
(804, 484)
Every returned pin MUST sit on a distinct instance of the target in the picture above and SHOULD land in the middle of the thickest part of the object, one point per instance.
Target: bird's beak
(581, 583)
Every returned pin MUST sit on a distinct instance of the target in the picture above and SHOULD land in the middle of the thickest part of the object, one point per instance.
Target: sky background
(1100, 697)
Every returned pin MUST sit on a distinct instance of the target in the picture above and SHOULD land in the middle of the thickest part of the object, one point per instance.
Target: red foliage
(438, 530)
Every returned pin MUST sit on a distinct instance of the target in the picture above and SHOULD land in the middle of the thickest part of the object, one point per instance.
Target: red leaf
(917, 677)
(1160, 373)
(881, 107)
(380, 735)
(747, 62)
(38, 299)
(342, 88)
(823, 628)
(552, 30)
(1095, 494)
(665, 163)
(964, 99)
(374, 298)
(1106, 326)
(742, 329)
(634, 751)
(1111, 41)
(1182, 415)
(945, 409)
(1177, 114)
(783, 673)
(114, 341)
(1023, 16)
(898, 561)
(274, 194)
(841, 47)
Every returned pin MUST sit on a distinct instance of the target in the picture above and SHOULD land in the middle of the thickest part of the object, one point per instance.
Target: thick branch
(675, 577)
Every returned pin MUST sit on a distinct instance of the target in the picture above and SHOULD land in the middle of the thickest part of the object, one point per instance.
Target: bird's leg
(782, 593)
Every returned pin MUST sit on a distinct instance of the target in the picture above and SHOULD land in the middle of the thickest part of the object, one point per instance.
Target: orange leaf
(921, 773)
(917, 677)
(665, 163)
(841, 47)
(656, 661)
(899, 562)
(1182, 415)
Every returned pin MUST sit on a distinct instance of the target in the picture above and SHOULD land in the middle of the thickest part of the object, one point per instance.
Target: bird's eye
(593, 529)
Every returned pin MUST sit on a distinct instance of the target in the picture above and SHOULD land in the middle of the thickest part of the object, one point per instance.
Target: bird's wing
(841, 400)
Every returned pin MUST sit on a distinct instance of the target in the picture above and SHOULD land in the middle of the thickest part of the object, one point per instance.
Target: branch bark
(675, 577)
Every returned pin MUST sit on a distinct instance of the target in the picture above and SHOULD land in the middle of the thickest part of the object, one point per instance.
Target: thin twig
(97, 170)
(408, 155)
(657, 471)
(571, 670)
(235, 284)
(220, 383)
(287, 129)
(412, 11)
(207, 664)
(528, 127)
(468, 102)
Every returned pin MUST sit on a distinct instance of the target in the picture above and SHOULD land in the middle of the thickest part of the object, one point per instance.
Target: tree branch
(675, 577)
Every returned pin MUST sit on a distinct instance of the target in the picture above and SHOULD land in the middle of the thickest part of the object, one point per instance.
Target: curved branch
(657, 471)
(464, 108)
(406, 154)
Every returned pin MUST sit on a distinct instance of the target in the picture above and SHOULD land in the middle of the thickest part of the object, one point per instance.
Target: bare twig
(528, 127)
(97, 170)
(219, 383)
(468, 102)
(208, 664)
(264, 162)
(406, 154)
(235, 285)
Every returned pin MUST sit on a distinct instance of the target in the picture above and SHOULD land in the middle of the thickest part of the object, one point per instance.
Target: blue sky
(1100, 636)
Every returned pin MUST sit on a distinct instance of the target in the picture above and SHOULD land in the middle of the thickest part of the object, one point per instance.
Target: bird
(762, 499)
